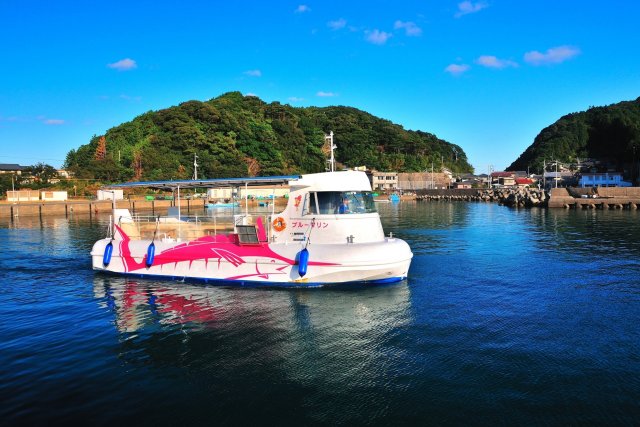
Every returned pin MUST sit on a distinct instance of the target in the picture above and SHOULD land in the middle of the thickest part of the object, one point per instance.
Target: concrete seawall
(581, 198)
(600, 198)
(40, 208)
(516, 197)
(91, 207)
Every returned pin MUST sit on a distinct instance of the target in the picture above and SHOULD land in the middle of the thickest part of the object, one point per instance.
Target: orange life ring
(279, 224)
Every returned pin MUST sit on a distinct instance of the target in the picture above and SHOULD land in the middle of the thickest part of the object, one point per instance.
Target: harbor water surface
(508, 317)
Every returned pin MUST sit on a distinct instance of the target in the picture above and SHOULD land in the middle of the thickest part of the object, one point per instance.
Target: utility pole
(195, 167)
(433, 183)
(556, 173)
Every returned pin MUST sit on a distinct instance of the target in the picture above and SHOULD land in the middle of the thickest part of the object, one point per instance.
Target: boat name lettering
(316, 224)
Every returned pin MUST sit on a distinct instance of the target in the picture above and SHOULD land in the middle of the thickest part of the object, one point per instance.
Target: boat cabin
(323, 208)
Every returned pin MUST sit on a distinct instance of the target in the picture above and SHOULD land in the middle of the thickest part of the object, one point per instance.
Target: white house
(110, 194)
(607, 179)
(53, 196)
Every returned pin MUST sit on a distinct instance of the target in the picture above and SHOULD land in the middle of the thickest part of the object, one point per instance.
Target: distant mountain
(610, 133)
(236, 135)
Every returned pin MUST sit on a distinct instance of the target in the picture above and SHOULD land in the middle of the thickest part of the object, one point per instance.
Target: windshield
(342, 202)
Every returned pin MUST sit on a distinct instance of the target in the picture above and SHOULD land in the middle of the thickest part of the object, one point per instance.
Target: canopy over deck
(209, 183)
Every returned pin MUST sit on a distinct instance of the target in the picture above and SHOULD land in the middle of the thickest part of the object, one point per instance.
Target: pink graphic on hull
(220, 248)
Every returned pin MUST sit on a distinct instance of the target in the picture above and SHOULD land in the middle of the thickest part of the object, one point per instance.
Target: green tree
(235, 135)
(40, 174)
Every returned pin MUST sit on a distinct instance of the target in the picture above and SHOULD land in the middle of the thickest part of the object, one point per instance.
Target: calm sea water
(508, 317)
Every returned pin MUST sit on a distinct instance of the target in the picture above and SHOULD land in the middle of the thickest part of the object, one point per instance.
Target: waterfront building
(387, 181)
(524, 182)
(559, 179)
(53, 196)
(411, 181)
(505, 179)
(607, 179)
(483, 178)
(463, 185)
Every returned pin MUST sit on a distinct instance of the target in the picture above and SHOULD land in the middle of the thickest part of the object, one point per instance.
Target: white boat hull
(208, 260)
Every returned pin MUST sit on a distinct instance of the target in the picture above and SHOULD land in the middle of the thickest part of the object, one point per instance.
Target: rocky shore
(520, 197)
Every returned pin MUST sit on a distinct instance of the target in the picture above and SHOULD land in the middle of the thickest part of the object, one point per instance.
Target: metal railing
(185, 228)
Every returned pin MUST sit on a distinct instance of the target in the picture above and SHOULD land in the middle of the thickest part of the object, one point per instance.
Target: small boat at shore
(222, 205)
(328, 233)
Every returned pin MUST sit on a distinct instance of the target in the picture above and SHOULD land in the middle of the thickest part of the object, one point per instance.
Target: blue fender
(108, 251)
(151, 253)
(303, 261)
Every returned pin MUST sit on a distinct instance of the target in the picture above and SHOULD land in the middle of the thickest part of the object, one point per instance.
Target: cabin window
(330, 202)
(311, 204)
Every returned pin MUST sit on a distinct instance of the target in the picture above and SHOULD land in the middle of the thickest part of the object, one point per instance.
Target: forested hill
(610, 133)
(235, 135)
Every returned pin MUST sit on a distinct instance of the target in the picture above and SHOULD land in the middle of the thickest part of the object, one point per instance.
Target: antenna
(332, 161)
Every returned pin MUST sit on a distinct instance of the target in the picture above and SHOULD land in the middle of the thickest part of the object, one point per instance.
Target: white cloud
(337, 24)
(130, 98)
(555, 55)
(467, 7)
(296, 99)
(123, 65)
(302, 9)
(253, 73)
(53, 122)
(493, 62)
(410, 28)
(378, 37)
(326, 94)
(251, 94)
(456, 69)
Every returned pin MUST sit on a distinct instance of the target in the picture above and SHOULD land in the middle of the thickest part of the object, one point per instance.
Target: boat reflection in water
(143, 304)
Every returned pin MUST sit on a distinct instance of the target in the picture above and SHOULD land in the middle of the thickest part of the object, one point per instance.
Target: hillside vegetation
(235, 135)
(610, 134)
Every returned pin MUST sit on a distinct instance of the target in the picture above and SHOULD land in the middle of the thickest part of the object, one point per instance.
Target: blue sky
(486, 75)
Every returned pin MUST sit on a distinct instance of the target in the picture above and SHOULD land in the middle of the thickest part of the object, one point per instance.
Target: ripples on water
(509, 317)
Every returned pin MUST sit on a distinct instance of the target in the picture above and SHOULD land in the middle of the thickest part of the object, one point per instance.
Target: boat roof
(208, 183)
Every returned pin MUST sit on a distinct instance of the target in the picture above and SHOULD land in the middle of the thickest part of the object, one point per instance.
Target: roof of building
(524, 181)
(558, 174)
(10, 167)
(503, 174)
(210, 183)
(601, 173)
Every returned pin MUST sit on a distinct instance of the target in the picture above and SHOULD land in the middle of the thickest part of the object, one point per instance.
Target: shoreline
(92, 207)
(572, 198)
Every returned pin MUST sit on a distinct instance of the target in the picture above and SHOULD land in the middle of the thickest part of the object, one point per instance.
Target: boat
(329, 233)
(222, 205)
